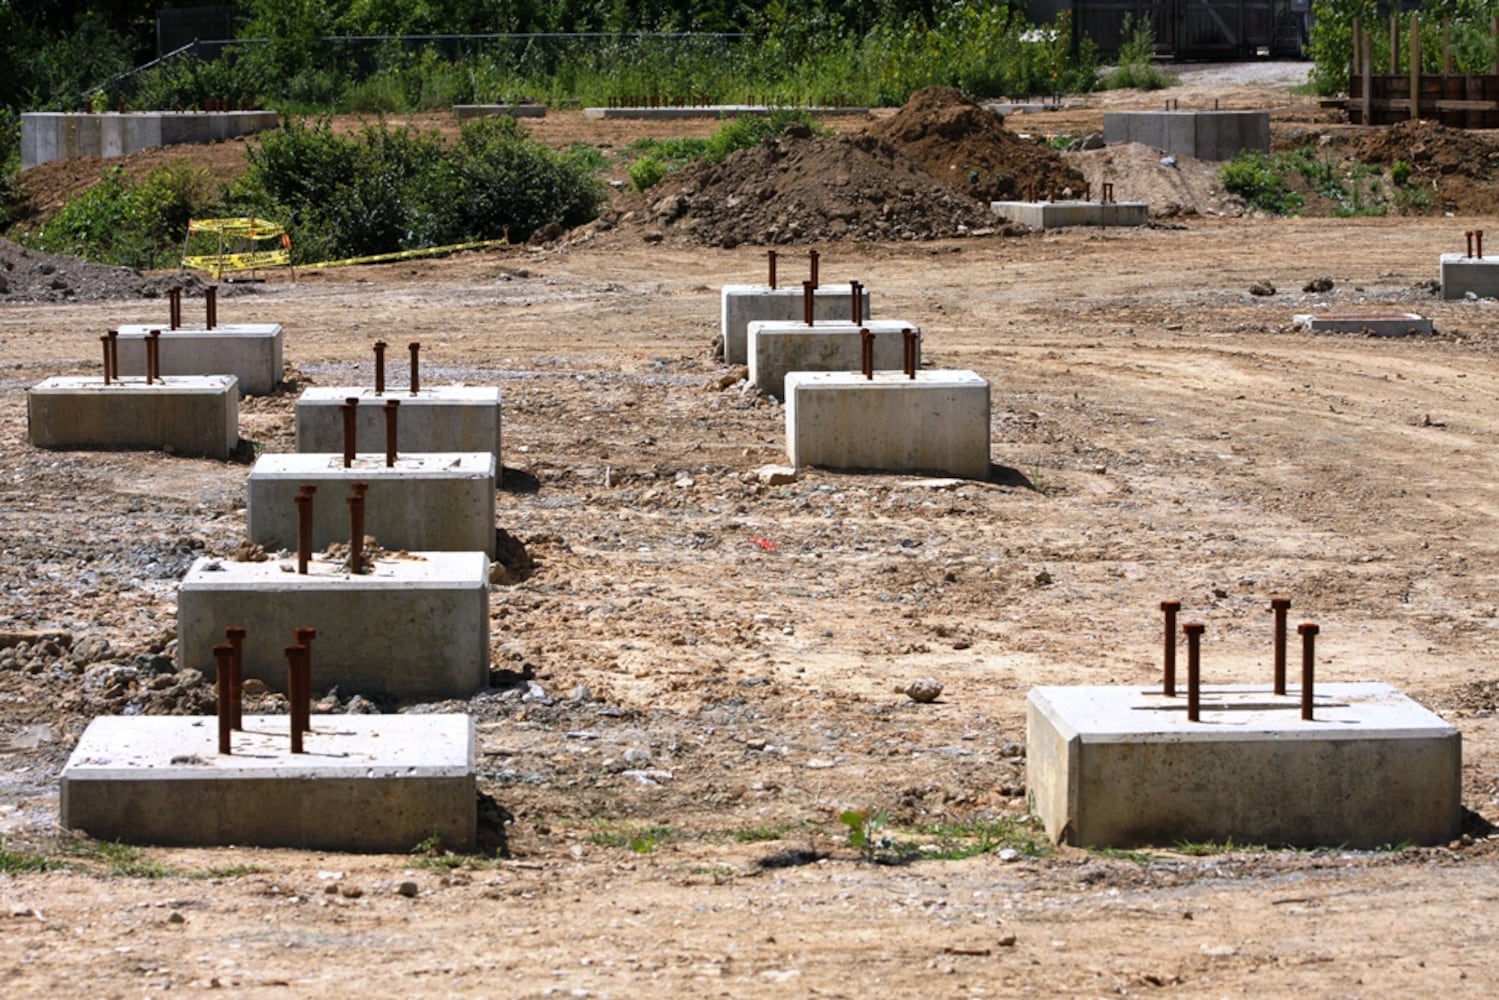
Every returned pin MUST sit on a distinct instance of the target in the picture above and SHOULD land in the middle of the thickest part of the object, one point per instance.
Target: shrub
(1253, 176)
(1136, 67)
(647, 172)
(137, 225)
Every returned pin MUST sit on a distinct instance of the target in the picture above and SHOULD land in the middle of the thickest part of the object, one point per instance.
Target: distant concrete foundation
(188, 415)
(251, 352)
(1463, 275)
(713, 111)
(53, 135)
(937, 422)
(1057, 214)
(465, 111)
(742, 305)
(442, 418)
(776, 348)
(1373, 324)
(1123, 767)
(365, 783)
(434, 501)
(415, 627)
(1205, 135)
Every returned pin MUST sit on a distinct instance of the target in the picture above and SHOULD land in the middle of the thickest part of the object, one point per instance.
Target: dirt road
(1162, 433)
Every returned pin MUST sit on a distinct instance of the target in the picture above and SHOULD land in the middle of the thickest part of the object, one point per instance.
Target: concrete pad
(432, 501)
(741, 305)
(1057, 214)
(1374, 324)
(714, 111)
(778, 347)
(55, 135)
(441, 418)
(1206, 135)
(416, 627)
(465, 111)
(1462, 275)
(364, 783)
(251, 352)
(937, 422)
(1113, 766)
(188, 415)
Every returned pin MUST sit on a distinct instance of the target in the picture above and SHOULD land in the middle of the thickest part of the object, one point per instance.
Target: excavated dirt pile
(32, 276)
(1457, 165)
(801, 188)
(968, 148)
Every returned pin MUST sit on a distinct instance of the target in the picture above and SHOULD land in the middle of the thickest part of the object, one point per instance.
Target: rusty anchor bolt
(770, 257)
(807, 289)
(221, 654)
(1108, 192)
(174, 300)
(295, 657)
(1170, 608)
(108, 371)
(1468, 235)
(391, 406)
(236, 636)
(114, 353)
(1308, 632)
(153, 356)
(303, 501)
(356, 528)
(1193, 631)
(866, 353)
(909, 342)
(211, 300)
(416, 378)
(856, 303)
(1280, 605)
(379, 367)
(302, 704)
(350, 428)
(1478, 242)
(812, 266)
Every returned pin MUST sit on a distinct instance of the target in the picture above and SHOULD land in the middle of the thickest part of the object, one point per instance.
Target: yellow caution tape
(381, 258)
(218, 263)
(244, 227)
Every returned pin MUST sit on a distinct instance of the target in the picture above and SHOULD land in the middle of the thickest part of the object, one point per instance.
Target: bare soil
(695, 673)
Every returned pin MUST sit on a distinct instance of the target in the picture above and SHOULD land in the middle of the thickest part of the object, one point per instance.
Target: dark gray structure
(1188, 29)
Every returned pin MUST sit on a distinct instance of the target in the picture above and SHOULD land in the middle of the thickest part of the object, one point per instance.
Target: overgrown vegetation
(103, 857)
(655, 158)
(871, 834)
(130, 223)
(1274, 183)
(1330, 44)
(1136, 65)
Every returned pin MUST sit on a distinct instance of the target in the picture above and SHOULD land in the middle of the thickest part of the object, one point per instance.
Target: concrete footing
(1123, 767)
(440, 502)
(741, 305)
(442, 418)
(1206, 135)
(1372, 324)
(465, 111)
(417, 626)
(776, 348)
(1463, 276)
(251, 352)
(1058, 214)
(187, 415)
(937, 422)
(55, 135)
(364, 783)
(714, 111)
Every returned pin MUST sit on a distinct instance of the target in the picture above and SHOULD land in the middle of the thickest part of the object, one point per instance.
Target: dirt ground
(697, 676)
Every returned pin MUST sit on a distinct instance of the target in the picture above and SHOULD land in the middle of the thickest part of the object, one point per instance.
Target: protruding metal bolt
(302, 704)
(108, 372)
(379, 367)
(294, 654)
(153, 356)
(866, 353)
(174, 300)
(812, 266)
(236, 636)
(1280, 605)
(351, 428)
(356, 528)
(1478, 242)
(114, 353)
(1108, 192)
(416, 376)
(225, 709)
(770, 256)
(391, 405)
(910, 342)
(1194, 632)
(211, 300)
(1308, 632)
(303, 501)
(1170, 608)
(807, 289)
(1468, 235)
(856, 303)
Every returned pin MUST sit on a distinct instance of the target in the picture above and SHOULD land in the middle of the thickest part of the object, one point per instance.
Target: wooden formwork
(1455, 99)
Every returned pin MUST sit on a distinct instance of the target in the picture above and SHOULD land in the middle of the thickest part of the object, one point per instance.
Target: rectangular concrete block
(936, 423)
(1372, 324)
(1114, 766)
(1206, 135)
(741, 305)
(433, 501)
(440, 418)
(364, 783)
(52, 135)
(776, 348)
(417, 627)
(1463, 275)
(466, 111)
(251, 352)
(1057, 214)
(188, 415)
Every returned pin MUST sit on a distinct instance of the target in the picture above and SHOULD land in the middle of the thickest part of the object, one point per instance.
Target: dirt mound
(32, 276)
(968, 147)
(1458, 165)
(801, 188)
(1184, 186)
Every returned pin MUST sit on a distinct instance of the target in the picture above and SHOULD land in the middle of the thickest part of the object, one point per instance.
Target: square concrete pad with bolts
(1058, 214)
(251, 352)
(364, 783)
(437, 501)
(416, 627)
(742, 305)
(776, 348)
(937, 422)
(1462, 275)
(1114, 766)
(188, 415)
(439, 418)
(1206, 135)
(1373, 324)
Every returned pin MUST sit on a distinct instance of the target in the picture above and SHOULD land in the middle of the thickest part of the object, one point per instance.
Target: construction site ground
(696, 672)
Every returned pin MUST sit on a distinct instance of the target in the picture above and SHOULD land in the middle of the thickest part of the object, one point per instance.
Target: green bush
(1254, 177)
(1136, 66)
(138, 225)
(647, 172)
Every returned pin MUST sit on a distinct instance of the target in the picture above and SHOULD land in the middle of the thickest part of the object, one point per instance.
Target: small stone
(927, 689)
(176, 918)
(1318, 285)
(775, 475)
(354, 892)
(1262, 288)
(1008, 941)
(408, 889)
(1007, 854)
